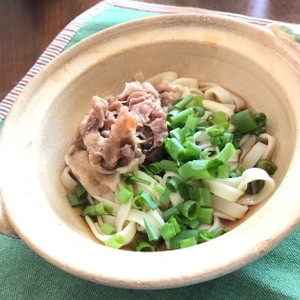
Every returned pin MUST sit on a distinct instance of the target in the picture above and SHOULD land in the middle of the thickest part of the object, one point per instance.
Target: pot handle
(5, 226)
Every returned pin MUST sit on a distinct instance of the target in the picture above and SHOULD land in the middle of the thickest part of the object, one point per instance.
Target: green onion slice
(267, 165)
(244, 122)
(133, 178)
(143, 246)
(124, 194)
(107, 229)
(205, 215)
(185, 238)
(169, 229)
(190, 209)
(152, 236)
(162, 166)
(115, 241)
(145, 198)
(98, 209)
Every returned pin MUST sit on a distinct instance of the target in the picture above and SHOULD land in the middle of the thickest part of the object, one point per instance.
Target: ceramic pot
(251, 62)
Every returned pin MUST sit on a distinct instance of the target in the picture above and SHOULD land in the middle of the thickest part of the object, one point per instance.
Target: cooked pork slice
(169, 92)
(95, 119)
(123, 134)
(118, 135)
(96, 183)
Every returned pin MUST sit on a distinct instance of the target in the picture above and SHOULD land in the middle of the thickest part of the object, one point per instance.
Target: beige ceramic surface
(250, 61)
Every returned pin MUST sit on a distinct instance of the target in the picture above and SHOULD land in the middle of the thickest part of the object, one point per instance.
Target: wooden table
(28, 26)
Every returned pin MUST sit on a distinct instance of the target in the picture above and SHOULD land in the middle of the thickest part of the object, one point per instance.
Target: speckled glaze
(250, 61)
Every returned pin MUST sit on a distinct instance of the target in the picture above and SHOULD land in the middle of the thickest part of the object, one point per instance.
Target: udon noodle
(162, 164)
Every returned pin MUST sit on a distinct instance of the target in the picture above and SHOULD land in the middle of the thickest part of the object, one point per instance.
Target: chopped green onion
(191, 151)
(205, 236)
(173, 147)
(169, 229)
(267, 165)
(136, 204)
(199, 111)
(236, 139)
(143, 246)
(181, 104)
(98, 209)
(244, 122)
(152, 236)
(260, 119)
(219, 231)
(74, 201)
(221, 140)
(133, 178)
(205, 215)
(236, 172)
(172, 183)
(202, 126)
(146, 170)
(145, 198)
(115, 241)
(184, 190)
(190, 126)
(213, 165)
(226, 153)
(79, 197)
(192, 224)
(187, 130)
(197, 101)
(199, 169)
(180, 117)
(170, 212)
(107, 229)
(162, 166)
(190, 209)
(206, 169)
(165, 196)
(220, 118)
(188, 242)
(223, 171)
(215, 131)
(124, 194)
(194, 190)
(205, 197)
(195, 169)
(80, 191)
(158, 188)
(178, 134)
(185, 238)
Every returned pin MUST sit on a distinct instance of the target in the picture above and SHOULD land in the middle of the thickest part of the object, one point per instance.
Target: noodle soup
(168, 163)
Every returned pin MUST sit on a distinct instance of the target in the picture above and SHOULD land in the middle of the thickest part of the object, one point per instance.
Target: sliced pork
(118, 135)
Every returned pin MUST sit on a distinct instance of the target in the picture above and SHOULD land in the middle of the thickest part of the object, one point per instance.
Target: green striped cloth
(24, 275)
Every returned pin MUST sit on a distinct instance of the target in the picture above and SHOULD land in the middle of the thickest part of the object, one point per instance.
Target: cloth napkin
(24, 275)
